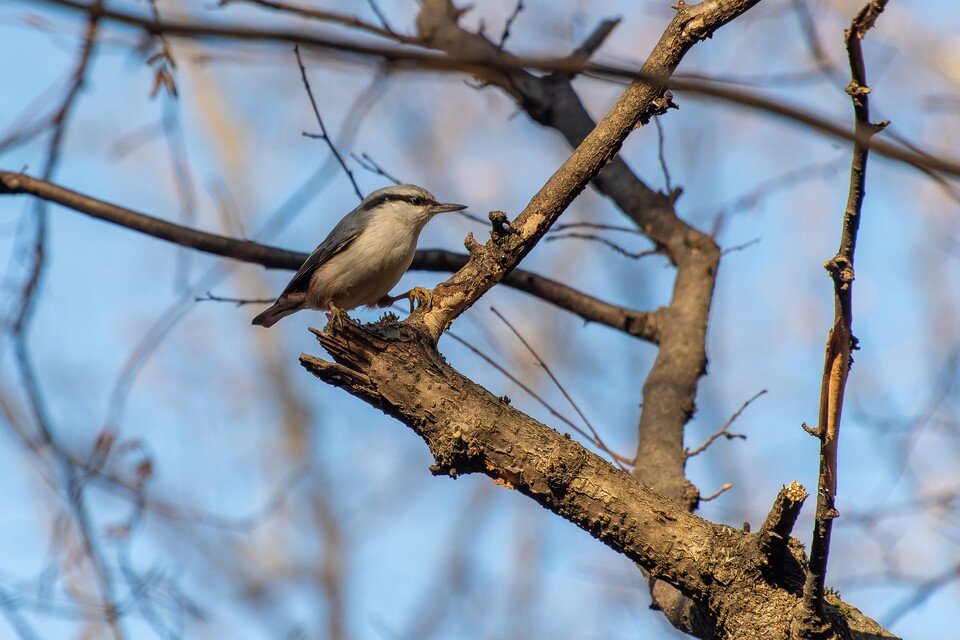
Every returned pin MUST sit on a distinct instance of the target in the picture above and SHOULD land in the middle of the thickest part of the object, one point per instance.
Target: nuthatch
(363, 257)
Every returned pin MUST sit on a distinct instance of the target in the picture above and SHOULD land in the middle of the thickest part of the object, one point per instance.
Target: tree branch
(416, 59)
(840, 339)
(395, 368)
(636, 323)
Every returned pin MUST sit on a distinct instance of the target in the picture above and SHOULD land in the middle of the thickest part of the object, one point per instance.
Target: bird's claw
(337, 317)
(420, 297)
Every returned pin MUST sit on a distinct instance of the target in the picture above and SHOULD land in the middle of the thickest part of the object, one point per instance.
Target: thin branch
(368, 163)
(724, 431)
(633, 255)
(726, 486)
(209, 297)
(661, 154)
(639, 324)
(840, 339)
(568, 65)
(595, 441)
(543, 365)
(323, 130)
(509, 23)
(331, 16)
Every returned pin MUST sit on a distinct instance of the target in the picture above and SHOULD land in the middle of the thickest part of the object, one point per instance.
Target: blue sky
(205, 409)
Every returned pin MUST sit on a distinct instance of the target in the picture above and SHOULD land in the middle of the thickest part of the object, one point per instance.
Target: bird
(363, 257)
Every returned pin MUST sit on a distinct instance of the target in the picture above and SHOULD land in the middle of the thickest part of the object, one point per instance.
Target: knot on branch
(501, 226)
(840, 269)
(658, 107)
(454, 456)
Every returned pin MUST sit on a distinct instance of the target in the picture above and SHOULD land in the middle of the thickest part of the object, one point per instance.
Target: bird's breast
(367, 270)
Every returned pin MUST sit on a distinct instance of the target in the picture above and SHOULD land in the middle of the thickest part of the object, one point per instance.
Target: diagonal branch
(639, 324)
(491, 262)
(397, 369)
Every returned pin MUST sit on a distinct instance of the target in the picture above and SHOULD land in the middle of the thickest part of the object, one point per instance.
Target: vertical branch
(840, 339)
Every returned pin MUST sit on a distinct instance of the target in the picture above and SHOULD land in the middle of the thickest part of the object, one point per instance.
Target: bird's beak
(444, 207)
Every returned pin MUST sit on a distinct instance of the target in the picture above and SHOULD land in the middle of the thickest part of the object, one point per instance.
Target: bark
(741, 588)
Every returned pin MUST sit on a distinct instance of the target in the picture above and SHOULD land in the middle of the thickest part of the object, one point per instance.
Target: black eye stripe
(411, 198)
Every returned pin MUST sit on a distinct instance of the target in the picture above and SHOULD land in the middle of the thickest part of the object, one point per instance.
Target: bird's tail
(279, 310)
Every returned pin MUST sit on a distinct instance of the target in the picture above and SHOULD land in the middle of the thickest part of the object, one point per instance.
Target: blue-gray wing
(342, 236)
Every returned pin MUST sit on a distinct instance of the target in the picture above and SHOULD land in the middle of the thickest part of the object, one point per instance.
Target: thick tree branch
(598, 146)
(840, 339)
(636, 323)
(469, 430)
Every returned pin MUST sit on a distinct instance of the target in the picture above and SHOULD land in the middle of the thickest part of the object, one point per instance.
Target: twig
(331, 16)
(840, 339)
(740, 247)
(724, 430)
(533, 394)
(633, 255)
(716, 494)
(368, 163)
(509, 23)
(543, 365)
(661, 153)
(382, 17)
(209, 297)
(323, 130)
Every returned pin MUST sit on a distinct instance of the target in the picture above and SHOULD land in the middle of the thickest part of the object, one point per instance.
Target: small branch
(543, 365)
(323, 130)
(639, 324)
(506, 27)
(724, 430)
(633, 255)
(209, 297)
(331, 16)
(716, 494)
(840, 339)
(595, 40)
(775, 531)
(371, 165)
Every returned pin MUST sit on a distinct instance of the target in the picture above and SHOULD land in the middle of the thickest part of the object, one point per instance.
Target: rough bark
(742, 590)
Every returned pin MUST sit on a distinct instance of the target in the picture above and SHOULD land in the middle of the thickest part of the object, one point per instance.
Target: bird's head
(407, 202)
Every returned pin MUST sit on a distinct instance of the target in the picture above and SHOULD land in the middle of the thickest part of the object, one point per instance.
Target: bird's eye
(417, 200)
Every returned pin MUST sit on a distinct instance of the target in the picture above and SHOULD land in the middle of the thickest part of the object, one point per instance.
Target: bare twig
(332, 16)
(368, 163)
(509, 23)
(633, 255)
(323, 130)
(726, 486)
(543, 365)
(533, 394)
(209, 297)
(840, 339)
(661, 154)
(724, 430)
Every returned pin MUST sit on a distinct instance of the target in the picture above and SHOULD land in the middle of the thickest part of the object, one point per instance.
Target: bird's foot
(420, 297)
(337, 317)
